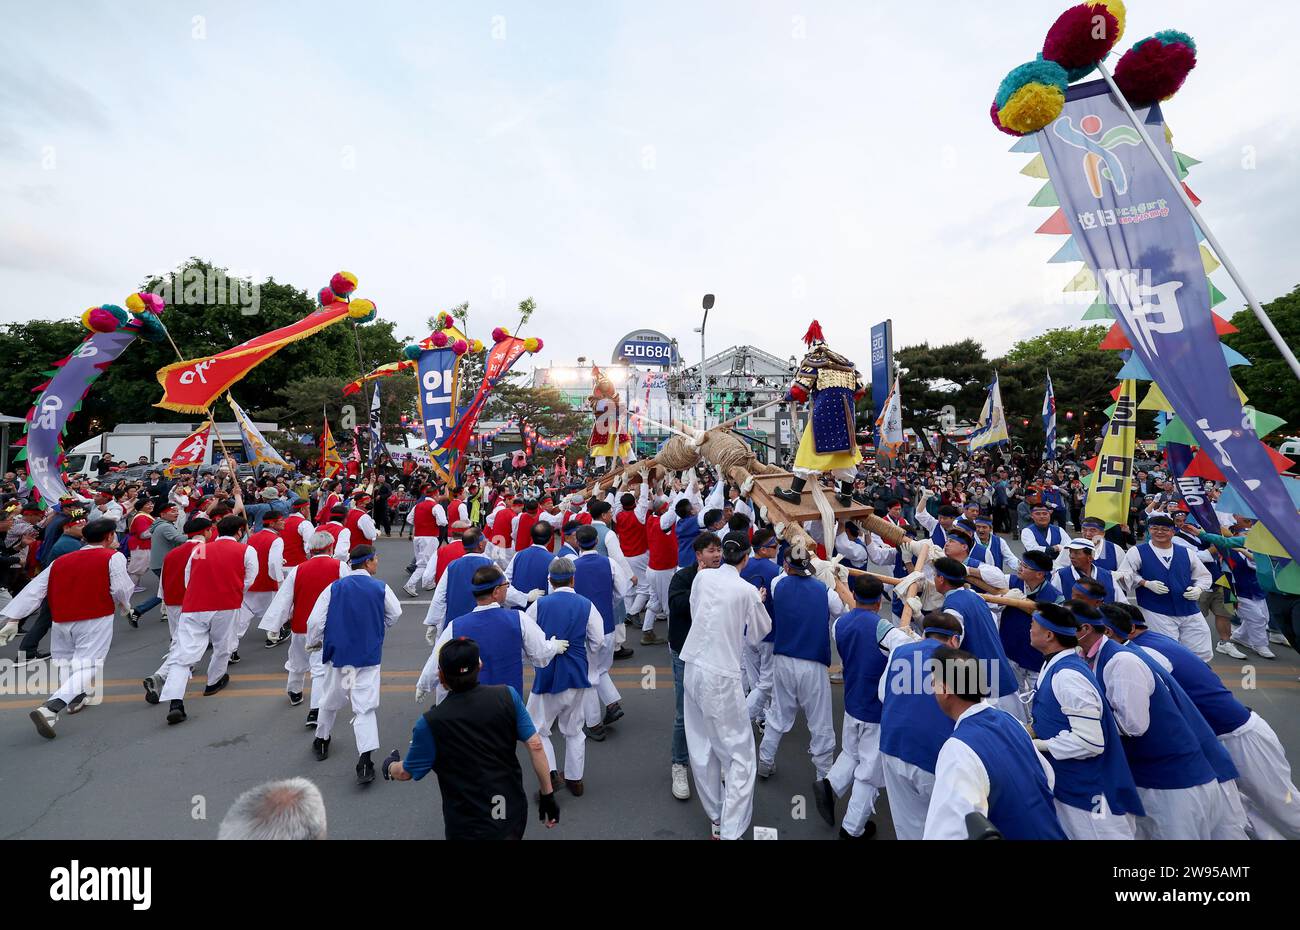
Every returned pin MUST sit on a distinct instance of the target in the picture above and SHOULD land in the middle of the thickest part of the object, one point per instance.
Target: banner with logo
(1140, 244)
(499, 361)
(1111, 486)
(889, 428)
(991, 430)
(191, 386)
(191, 452)
(1049, 420)
(256, 448)
(1191, 488)
(438, 371)
(882, 368)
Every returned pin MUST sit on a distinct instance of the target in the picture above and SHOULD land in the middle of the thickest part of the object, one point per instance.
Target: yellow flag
(1112, 479)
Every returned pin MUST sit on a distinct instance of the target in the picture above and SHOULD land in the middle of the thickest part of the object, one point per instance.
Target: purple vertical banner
(1190, 488)
(1140, 242)
(882, 371)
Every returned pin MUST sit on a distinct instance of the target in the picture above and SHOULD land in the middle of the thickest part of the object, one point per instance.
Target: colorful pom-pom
(476, 346)
(439, 339)
(1047, 73)
(532, 344)
(411, 352)
(362, 310)
(135, 303)
(119, 314)
(1117, 9)
(500, 333)
(1155, 68)
(993, 115)
(326, 296)
(99, 320)
(1081, 36)
(445, 319)
(460, 347)
(151, 328)
(343, 283)
(1032, 107)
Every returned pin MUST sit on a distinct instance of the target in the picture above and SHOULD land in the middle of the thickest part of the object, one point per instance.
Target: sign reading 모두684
(645, 347)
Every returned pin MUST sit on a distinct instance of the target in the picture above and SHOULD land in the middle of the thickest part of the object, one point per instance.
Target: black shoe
(321, 747)
(596, 733)
(234, 658)
(789, 496)
(295, 698)
(150, 691)
(612, 713)
(133, 618)
(864, 501)
(77, 704)
(311, 719)
(365, 771)
(217, 686)
(868, 832)
(824, 795)
(270, 643)
(35, 655)
(622, 652)
(177, 712)
(844, 500)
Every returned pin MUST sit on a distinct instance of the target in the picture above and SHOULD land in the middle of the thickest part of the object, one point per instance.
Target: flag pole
(211, 419)
(1246, 292)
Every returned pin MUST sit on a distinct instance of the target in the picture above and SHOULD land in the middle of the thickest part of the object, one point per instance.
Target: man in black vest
(469, 741)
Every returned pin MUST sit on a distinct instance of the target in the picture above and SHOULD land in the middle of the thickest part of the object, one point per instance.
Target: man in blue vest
(979, 633)
(560, 689)
(937, 527)
(348, 624)
(1031, 584)
(1042, 535)
(1176, 783)
(760, 571)
(989, 765)
(912, 726)
(1170, 580)
(1104, 553)
(1082, 565)
(454, 595)
(803, 608)
(1096, 798)
(505, 637)
(607, 544)
(1270, 798)
(602, 581)
(527, 572)
(864, 641)
(568, 546)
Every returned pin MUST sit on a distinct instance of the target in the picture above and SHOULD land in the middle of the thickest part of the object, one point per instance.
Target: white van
(156, 441)
(1291, 449)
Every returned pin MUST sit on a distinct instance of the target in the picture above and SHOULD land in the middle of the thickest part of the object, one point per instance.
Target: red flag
(330, 462)
(192, 450)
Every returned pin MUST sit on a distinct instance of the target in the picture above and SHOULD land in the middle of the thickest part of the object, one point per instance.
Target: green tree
(1269, 383)
(922, 370)
(545, 410)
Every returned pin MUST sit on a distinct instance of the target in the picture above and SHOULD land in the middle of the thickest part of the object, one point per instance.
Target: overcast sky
(613, 160)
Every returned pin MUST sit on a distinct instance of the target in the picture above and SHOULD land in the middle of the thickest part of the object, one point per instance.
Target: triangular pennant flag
(1156, 400)
(1196, 201)
(1036, 168)
(1177, 432)
(1134, 370)
(1216, 295)
(1026, 145)
(1115, 340)
(1280, 461)
(1066, 253)
(1208, 261)
(1110, 411)
(1233, 357)
(1202, 466)
(1264, 423)
(1180, 170)
(1286, 579)
(1260, 540)
(1083, 281)
(1100, 310)
(1114, 394)
(1222, 327)
(1200, 234)
(1046, 197)
(1091, 464)
(1185, 160)
(1241, 394)
(1056, 225)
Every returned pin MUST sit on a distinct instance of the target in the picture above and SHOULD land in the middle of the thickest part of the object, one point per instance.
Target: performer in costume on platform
(829, 442)
(609, 439)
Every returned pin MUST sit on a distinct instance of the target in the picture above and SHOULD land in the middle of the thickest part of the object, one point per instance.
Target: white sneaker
(45, 719)
(681, 784)
(1266, 653)
(715, 831)
(1277, 639)
(1226, 648)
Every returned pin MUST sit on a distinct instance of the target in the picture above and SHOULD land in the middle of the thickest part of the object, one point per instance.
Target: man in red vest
(84, 588)
(629, 524)
(216, 577)
(292, 605)
(358, 527)
(137, 564)
(334, 526)
(268, 543)
(296, 532)
(661, 567)
(521, 528)
(328, 501)
(171, 587)
(426, 517)
(501, 527)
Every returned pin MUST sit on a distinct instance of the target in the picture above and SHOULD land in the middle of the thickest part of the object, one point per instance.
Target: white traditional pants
(660, 579)
(298, 662)
(1267, 792)
(1193, 632)
(721, 747)
(760, 693)
(137, 565)
(77, 650)
(859, 764)
(638, 596)
(1253, 614)
(172, 612)
(360, 687)
(908, 789)
(193, 633)
(426, 547)
(565, 708)
(1101, 824)
(800, 684)
(604, 693)
(1180, 813)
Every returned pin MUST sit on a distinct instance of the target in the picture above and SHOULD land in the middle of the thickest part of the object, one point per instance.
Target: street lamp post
(708, 305)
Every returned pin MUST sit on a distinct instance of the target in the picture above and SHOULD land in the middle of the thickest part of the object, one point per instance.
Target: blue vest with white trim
(801, 620)
(857, 638)
(1053, 536)
(980, 637)
(1178, 577)
(1109, 558)
(460, 575)
(1066, 578)
(688, 530)
(593, 578)
(1223, 712)
(563, 615)
(1013, 630)
(1080, 781)
(1166, 756)
(1020, 801)
(601, 532)
(528, 571)
(759, 573)
(912, 727)
(500, 644)
(354, 622)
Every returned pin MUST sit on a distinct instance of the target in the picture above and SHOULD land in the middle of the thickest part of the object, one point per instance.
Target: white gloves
(561, 645)
(8, 632)
(1193, 593)
(900, 589)
(431, 633)
(830, 572)
(534, 594)
(420, 693)
(915, 604)
(1156, 587)
(908, 548)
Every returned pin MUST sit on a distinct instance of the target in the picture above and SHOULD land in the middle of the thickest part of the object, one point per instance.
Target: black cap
(195, 525)
(801, 567)
(458, 657)
(1037, 560)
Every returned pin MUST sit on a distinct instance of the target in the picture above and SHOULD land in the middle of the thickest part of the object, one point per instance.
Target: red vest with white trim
(455, 511)
(79, 586)
(333, 529)
(425, 522)
(216, 577)
(524, 535)
(631, 533)
(311, 578)
(324, 513)
(261, 541)
(501, 524)
(140, 524)
(173, 571)
(295, 553)
(663, 546)
(446, 554)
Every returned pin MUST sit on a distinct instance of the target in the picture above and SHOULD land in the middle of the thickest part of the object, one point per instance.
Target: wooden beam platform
(779, 511)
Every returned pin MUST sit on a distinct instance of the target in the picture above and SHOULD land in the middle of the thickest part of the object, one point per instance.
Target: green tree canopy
(1269, 383)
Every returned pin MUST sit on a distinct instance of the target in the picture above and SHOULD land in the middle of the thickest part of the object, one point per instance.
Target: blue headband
(361, 559)
(556, 574)
(926, 631)
(1055, 627)
(955, 579)
(983, 520)
(1110, 625)
(1083, 592)
(487, 586)
(588, 546)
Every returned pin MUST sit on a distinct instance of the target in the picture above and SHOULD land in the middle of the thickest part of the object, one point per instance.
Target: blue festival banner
(1191, 488)
(438, 373)
(1139, 240)
(882, 370)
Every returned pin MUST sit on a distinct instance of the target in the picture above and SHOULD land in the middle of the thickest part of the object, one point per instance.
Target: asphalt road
(117, 770)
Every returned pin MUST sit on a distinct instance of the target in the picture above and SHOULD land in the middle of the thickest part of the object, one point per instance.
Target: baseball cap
(1080, 543)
